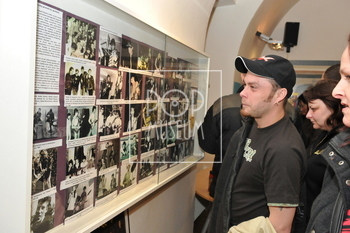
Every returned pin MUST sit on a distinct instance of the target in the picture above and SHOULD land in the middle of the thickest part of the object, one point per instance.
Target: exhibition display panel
(117, 108)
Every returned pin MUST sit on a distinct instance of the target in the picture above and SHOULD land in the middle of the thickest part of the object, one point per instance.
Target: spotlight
(273, 44)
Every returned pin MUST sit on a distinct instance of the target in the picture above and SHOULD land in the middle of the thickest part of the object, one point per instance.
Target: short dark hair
(332, 72)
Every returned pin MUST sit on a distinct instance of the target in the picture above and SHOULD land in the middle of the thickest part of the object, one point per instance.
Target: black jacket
(220, 219)
(222, 120)
(329, 208)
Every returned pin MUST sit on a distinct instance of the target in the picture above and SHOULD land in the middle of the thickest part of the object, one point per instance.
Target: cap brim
(240, 64)
(244, 65)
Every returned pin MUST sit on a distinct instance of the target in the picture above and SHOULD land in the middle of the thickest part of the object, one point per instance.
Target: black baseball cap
(270, 66)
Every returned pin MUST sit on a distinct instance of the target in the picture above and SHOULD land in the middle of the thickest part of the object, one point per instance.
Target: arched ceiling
(265, 20)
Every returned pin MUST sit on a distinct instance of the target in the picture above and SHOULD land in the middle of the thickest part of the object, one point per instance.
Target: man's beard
(244, 113)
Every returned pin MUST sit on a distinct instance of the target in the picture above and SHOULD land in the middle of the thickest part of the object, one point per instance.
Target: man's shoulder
(232, 101)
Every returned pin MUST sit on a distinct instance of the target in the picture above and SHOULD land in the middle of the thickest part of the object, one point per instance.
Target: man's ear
(281, 94)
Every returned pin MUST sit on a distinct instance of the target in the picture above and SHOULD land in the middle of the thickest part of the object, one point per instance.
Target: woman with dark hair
(330, 210)
(324, 112)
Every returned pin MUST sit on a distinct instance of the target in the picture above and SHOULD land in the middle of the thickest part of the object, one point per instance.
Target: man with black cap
(259, 181)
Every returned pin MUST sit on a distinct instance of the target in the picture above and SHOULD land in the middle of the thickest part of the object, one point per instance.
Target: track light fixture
(273, 44)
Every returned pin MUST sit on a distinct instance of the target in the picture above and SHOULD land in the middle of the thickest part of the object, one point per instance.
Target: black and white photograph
(161, 138)
(79, 79)
(128, 173)
(158, 60)
(187, 91)
(184, 133)
(183, 112)
(44, 169)
(129, 53)
(80, 39)
(161, 159)
(174, 153)
(110, 120)
(129, 146)
(163, 113)
(181, 150)
(107, 184)
(45, 122)
(132, 119)
(111, 83)
(79, 197)
(194, 96)
(43, 212)
(146, 166)
(109, 49)
(188, 71)
(107, 155)
(148, 140)
(133, 86)
(182, 65)
(174, 111)
(149, 114)
(189, 144)
(117, 89)
(177, 88)
(81, 122)
(169, 90)
(144, 58)
(171, 134)
(164, 88)
(151, 88)
(80, 160)
(171, 67)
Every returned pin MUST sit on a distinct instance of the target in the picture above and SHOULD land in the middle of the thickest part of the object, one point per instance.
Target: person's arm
(208, 133)
(281, 218)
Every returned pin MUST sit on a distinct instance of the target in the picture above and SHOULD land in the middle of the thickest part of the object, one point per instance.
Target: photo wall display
(110, 113)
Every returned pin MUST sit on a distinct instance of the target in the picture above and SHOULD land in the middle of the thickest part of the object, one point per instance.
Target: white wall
(17, 47)
(323, 31)
(224, 36)
(170, 209)
(184, 20)
(322, 35)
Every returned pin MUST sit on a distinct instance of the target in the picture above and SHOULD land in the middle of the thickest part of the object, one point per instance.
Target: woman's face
(342, 90)
(318, 114)
(302, 108)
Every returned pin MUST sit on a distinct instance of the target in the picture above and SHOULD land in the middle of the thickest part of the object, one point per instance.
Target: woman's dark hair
(323, 90)
(301, 98)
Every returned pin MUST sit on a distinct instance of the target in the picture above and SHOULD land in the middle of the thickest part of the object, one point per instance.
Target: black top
(222, 120)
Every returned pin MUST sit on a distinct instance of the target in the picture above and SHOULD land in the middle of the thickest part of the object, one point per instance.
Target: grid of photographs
(119, 115)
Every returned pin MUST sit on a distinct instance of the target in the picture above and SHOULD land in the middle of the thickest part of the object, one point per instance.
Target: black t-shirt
(272, 168)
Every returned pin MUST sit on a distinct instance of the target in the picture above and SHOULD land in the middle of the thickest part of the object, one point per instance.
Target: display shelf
(104, 213)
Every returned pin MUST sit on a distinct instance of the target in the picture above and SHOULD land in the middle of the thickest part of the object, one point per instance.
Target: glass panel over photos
(117, 105)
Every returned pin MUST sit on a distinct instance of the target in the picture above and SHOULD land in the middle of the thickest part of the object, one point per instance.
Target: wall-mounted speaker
(291, 33)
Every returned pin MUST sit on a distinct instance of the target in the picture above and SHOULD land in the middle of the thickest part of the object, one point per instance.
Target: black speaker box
(291, 33)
